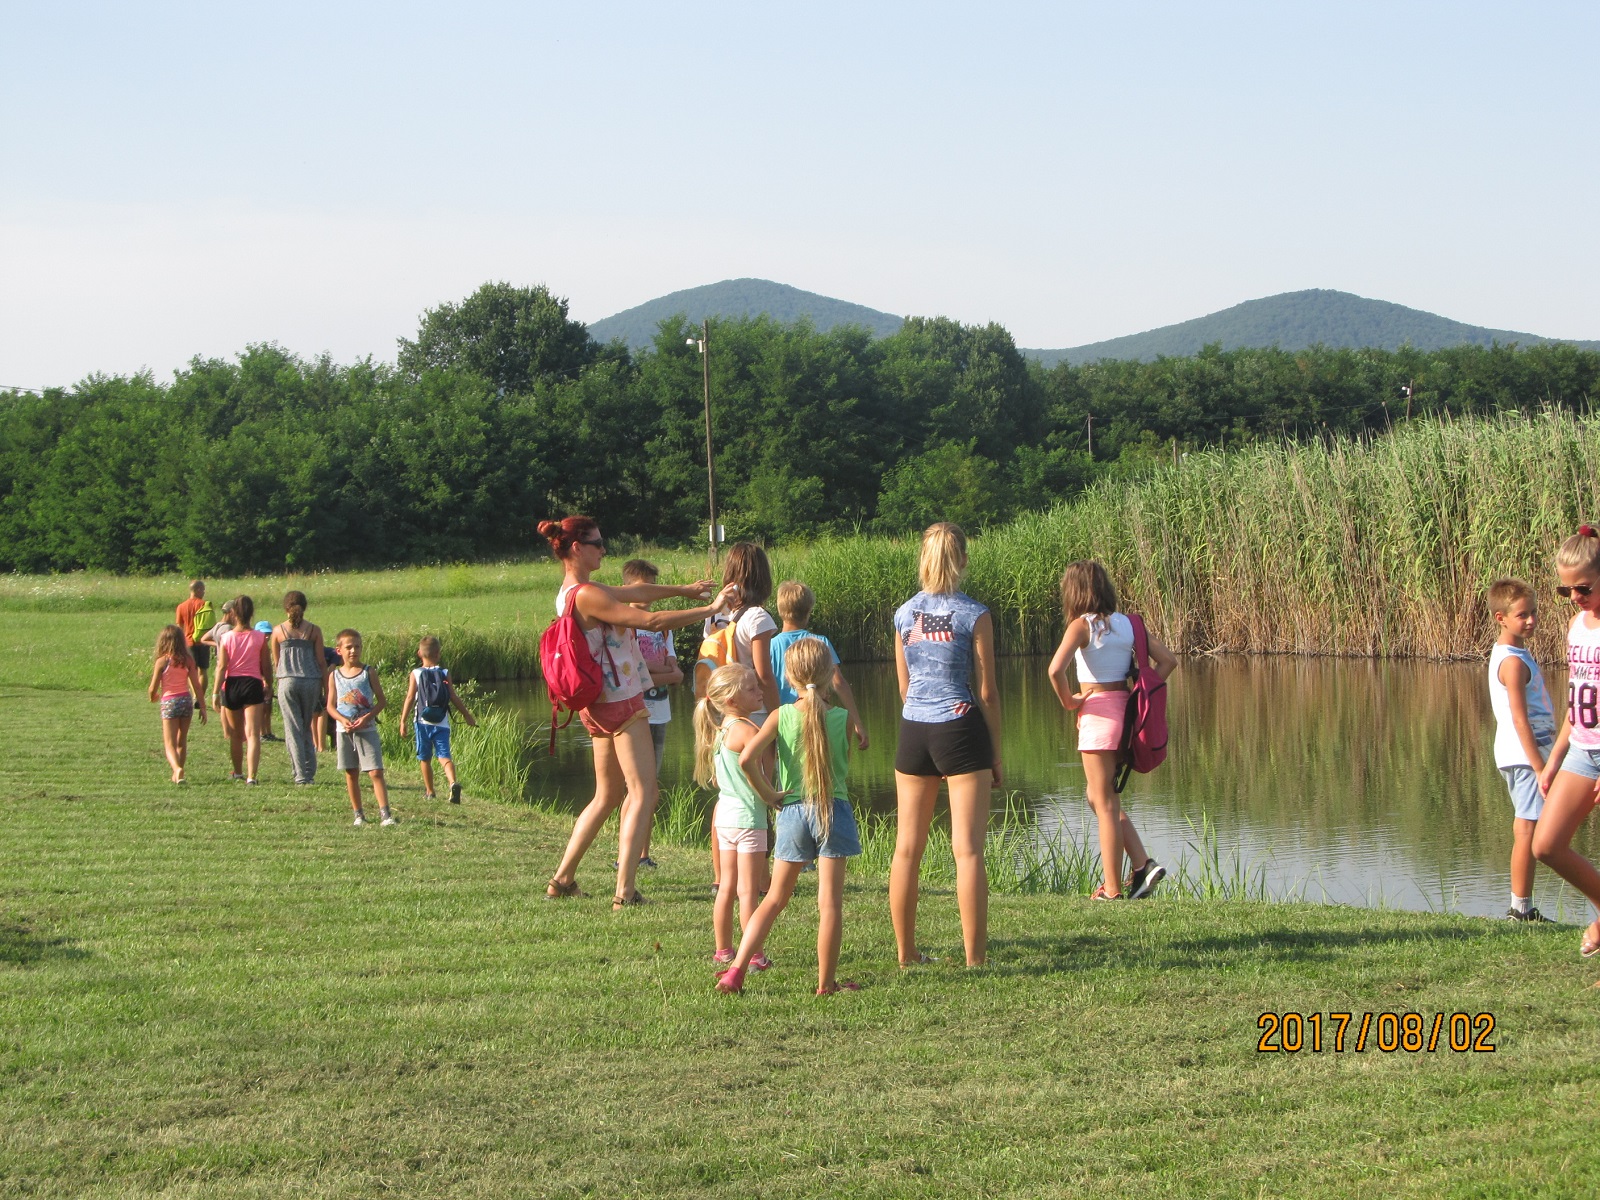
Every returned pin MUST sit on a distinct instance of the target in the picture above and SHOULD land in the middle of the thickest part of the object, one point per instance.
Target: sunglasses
(601, 542)
(1567, 591)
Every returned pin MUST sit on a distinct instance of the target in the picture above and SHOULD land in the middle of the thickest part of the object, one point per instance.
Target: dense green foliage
(502, 411)
(1296, 321)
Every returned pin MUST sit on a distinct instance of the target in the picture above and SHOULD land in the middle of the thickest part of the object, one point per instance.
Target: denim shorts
(432, 740)
(798, 835)
(1527, 802)
(1580, 761)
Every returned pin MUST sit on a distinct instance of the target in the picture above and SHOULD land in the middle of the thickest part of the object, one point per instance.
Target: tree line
(502, 410)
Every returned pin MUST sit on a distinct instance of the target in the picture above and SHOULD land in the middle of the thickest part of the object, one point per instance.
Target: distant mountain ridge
(1295, 320)
(740, 298)
(1289, 321)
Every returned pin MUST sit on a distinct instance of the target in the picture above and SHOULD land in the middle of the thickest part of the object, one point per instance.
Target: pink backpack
(1144, 731)
(571, 673)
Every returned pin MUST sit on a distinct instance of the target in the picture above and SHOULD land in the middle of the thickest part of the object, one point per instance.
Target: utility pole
(704, 343)
(1091, 435)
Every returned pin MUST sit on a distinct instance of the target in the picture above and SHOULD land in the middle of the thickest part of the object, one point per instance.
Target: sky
(181, 180)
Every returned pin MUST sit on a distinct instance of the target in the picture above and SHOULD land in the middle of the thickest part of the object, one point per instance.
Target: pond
(1352, 781)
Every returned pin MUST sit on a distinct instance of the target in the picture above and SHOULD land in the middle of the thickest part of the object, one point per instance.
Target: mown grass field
(210, 991)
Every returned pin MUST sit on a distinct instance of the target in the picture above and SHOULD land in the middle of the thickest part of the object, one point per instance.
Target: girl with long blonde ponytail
(722, 728)
(815, 820)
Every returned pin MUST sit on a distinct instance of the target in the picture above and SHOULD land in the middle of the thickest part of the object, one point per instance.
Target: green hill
(740, 298)
(1295, 320)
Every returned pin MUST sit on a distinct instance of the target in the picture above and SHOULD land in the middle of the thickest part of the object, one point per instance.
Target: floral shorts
(175, 708)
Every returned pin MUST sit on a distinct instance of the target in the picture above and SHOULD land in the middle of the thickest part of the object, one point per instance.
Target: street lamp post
(703, 342)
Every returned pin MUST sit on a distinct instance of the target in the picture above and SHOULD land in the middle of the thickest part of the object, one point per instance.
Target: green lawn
(210, 991)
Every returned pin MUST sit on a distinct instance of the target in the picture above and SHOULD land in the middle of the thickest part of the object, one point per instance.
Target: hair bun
(1588, 531)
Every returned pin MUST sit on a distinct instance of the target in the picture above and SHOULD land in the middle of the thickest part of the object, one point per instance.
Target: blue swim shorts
(1580, 761)
(799, 839)
(432, 740)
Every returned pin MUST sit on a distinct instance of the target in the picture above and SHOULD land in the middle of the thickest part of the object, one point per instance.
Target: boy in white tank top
(1525, 730)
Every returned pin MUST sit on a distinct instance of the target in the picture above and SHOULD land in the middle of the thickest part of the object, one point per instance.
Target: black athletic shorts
(202, 656)
(957, 747)
(243, 691)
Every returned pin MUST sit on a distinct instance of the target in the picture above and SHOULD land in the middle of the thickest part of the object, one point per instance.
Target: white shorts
(745, 841)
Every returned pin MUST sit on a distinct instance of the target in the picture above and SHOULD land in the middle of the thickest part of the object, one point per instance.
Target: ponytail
(810, 669)
(723, 685)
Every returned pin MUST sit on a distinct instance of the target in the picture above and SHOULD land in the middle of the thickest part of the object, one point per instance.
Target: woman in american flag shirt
(949, 730)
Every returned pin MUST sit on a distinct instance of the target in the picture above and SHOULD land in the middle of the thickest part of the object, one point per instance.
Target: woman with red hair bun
(624, 755)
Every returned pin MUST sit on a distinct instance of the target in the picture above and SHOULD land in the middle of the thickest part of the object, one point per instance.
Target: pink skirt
(1100, 721)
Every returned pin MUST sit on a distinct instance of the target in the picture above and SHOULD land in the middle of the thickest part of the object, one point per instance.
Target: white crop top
(1108, 658)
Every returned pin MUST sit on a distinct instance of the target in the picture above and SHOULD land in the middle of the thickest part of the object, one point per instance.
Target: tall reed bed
(1348, 546)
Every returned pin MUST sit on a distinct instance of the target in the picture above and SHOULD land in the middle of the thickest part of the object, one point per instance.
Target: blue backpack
(433, 695)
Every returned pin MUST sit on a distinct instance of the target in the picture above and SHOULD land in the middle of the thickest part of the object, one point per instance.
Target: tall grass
(1348, 546)
(493, 757)
(1021, 857)
(471, 651)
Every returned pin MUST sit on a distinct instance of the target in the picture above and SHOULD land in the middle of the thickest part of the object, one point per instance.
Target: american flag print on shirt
(931, 627)
(962, 708)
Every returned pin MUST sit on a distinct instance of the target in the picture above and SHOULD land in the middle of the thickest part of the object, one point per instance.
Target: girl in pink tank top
(175, 685)
(1571, 777)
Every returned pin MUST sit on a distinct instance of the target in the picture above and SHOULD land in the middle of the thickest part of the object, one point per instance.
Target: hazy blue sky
(185, 179)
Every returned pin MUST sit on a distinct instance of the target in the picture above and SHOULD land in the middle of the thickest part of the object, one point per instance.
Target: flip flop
(921, 960)
(1588, 948)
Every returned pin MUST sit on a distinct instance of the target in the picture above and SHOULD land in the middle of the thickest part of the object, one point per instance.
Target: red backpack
(571, 673)
(1144, 730)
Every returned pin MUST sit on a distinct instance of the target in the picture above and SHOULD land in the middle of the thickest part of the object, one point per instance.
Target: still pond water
(1351, 781)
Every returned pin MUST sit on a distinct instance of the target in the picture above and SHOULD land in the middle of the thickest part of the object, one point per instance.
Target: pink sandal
(759, 961)
(731, 981)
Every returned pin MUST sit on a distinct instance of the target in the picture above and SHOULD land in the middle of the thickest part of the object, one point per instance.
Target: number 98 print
(1292, 1032)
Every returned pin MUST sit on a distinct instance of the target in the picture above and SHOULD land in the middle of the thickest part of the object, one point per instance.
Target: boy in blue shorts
(433, 694)
(795, 602)
(1525, 730)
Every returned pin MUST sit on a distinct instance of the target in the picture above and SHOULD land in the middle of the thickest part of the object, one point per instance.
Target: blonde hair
(810, 669)
(795, 601)
(171, 642)
(1503, 593)
(725, 683)
(1581, 551)
(944, 558)
(428, 646)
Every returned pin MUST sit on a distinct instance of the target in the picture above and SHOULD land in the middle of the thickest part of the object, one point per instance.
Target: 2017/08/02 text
(1291, 1032)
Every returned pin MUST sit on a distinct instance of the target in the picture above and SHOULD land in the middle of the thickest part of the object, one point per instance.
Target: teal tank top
(738, 806)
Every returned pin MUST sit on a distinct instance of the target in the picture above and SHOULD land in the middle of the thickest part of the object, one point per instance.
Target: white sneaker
(360, 820)
(391, 819)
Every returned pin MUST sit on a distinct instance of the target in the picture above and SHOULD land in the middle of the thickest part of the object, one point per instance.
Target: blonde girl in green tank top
(815, 822)
(722, 729)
